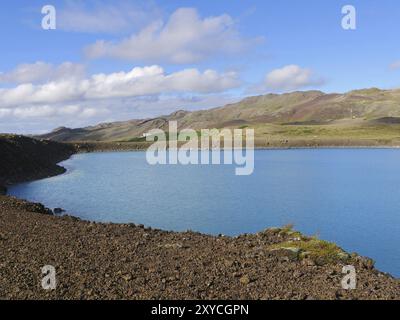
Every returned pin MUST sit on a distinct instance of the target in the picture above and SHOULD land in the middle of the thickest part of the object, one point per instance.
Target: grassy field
(341, 133)
(330, 132)
(344, 133)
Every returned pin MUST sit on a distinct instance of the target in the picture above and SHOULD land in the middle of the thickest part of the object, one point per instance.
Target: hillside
(24, 159)
(369, 113)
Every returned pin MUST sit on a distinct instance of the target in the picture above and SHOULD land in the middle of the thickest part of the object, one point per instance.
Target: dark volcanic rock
(111, 261)
(58, 211)
(24, 159)
(25, 206)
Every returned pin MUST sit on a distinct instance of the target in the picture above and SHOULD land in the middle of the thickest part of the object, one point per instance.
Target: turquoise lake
(348, 196)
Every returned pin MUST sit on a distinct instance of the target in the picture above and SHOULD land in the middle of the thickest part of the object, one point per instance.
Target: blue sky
(187, 55)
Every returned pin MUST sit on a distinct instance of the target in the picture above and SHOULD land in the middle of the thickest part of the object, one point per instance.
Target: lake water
(348, 196)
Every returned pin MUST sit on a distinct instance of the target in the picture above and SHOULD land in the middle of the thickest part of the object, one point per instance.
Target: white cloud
(291, 77)
(5, 112)
(139, 93)
(138, 82)
(39, 72)
(101, 17)
(69, 110)
(39, 119)
(44, 111)
(89, 113)
(53, 111)
(184, 38)
(29, 112)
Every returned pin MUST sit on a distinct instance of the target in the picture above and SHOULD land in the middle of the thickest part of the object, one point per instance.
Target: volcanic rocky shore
(121, 261)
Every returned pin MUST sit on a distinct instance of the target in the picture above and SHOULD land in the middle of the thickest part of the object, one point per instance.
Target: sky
(117, 60)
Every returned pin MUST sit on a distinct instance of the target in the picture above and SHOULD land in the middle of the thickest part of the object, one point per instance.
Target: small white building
(145, 135)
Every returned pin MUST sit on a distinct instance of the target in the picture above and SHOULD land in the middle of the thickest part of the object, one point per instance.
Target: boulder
(37, 208)
(58, 211)
(365, 262)
(245, 280)
(289, 253)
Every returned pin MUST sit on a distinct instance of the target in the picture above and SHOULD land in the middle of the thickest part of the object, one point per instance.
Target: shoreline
(316, 279)
(87, 147)
(257, 149)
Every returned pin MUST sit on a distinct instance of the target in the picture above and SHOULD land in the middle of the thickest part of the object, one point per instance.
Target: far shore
(82, 147)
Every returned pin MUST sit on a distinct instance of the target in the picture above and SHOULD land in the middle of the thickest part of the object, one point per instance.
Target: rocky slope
(369, 107)
(25, 159)
(109, 261)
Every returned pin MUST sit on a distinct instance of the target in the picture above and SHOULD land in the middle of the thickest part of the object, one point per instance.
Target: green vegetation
(136, 139)
(319, 251)
(341, 130)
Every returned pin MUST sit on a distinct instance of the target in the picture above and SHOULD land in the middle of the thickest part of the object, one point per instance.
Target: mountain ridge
(370, 106)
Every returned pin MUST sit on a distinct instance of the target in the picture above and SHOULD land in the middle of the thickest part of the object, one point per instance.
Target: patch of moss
(319, 251)
(288, 231)
(136, 139)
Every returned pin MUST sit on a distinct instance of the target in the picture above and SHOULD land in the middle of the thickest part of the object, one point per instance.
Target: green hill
(360, 114)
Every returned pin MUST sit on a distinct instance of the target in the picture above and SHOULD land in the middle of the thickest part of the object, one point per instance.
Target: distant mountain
(372, 106)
